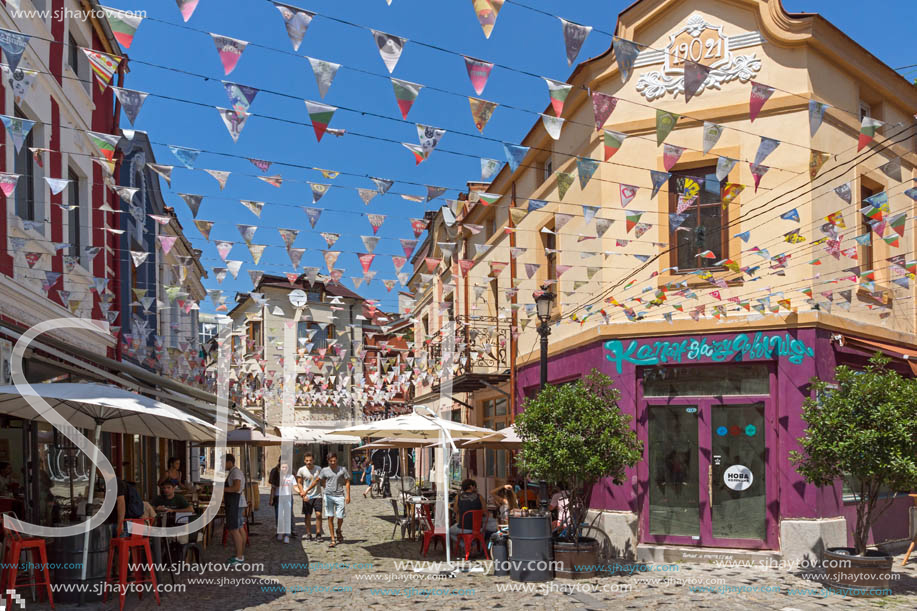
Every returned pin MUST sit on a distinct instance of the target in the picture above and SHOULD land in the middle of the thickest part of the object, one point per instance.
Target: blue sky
(522, 39)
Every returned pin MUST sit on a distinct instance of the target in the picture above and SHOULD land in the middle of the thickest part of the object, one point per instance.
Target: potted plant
(862, 429)
(575, 434)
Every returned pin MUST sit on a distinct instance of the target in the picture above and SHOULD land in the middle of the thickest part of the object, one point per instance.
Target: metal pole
(89, 495)
(544, 331)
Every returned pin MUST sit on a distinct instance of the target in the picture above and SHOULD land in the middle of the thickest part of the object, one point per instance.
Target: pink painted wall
(794, 498)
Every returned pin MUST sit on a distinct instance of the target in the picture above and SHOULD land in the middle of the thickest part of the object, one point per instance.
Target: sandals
(340, 536)
(332, 544)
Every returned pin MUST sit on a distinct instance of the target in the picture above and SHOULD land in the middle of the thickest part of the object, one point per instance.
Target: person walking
(234, 497)
(311, 502)
(368, 476)
(336, 480)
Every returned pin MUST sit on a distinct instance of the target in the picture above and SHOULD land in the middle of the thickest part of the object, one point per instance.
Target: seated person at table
(172, 474)
(560, 503)
(506, 503)
(468, 500)
(168, 500)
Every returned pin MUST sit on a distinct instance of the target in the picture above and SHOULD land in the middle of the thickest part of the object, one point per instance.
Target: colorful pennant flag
(552, 125)
(187, 8)
(558, 92)
(123, 24)
(585, 168)
(665, 123)
(187, 156)
(419, 154)
(613, 142)
(628, 193)
(131, 101)
(695, 76)
(564, 181)
(296, 21)
(106, 143)
(324, 72)
(658, 179)
(759, 95)
(767, 146)
(868, 129)
(390, 48)
(626, 52)
(405, 94)
(320, 115)
(234, 121)
(481, 111)
(13, 45)
(816, 115)
(478, 72)
(602, 107)
(230, 50)
(816, 160)
(712, 133)
(103, 66)
(487, 12)
(574, 37)
(670, 155)
(515, 153)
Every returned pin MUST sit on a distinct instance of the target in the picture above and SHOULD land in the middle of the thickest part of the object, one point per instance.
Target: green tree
(575, 434)
(863, 429)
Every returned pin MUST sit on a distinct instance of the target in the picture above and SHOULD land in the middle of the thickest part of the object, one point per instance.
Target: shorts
(233, 516)
(312, 504)
(334, 506)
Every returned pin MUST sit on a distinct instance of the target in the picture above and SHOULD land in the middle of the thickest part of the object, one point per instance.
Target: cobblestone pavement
(361, 573)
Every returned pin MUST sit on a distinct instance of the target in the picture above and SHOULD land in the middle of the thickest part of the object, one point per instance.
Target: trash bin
(531, 549)
(499, 554)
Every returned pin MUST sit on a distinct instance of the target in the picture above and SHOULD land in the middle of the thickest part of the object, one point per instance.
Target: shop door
(709, 473)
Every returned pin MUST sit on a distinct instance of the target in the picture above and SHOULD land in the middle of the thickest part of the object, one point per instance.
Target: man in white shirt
(311, 502)
(336, 480)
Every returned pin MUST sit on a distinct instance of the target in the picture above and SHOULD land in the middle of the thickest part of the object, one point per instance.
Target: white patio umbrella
(416, 425)
(413, 425)
(504, 439)
(109, 408)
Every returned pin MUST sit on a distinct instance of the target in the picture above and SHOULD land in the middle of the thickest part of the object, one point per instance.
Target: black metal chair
(400, 520)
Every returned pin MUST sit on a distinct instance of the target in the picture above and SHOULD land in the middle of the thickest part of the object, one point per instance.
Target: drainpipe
(513, 321)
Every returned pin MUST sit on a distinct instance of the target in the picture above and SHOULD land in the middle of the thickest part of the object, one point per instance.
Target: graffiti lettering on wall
(736, 348)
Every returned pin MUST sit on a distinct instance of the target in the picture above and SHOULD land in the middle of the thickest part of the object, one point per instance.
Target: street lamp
(543, 301)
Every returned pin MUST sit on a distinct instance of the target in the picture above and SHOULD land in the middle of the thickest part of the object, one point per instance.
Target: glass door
(674, 474)
(737, 473)
(707, 473)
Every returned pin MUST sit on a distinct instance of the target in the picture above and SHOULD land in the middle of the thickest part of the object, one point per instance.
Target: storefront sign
(736, 348)
(738, 477)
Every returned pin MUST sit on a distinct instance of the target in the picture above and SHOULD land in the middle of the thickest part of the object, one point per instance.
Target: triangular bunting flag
(390, 48)
(230, 50)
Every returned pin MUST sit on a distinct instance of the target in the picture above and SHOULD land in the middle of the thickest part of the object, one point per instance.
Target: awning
(304, 434)
(872, 346)
(133, 377)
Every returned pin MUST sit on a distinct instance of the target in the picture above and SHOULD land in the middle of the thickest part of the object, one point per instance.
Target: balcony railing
(481, 344)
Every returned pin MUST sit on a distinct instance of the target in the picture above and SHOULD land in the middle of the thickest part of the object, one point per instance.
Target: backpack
(133, 504)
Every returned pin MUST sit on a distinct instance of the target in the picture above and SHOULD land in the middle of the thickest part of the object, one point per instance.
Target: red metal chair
(130, 549)
(429, 532)
(14, 544)
(476, 534)
(226, 531)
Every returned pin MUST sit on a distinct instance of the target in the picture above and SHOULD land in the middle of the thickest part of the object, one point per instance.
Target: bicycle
(377, 486)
